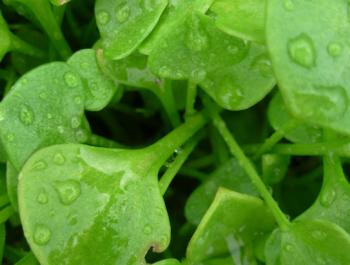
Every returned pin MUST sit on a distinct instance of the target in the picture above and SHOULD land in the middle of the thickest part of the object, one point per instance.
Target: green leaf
(125, 24)
(173, 16)
(311, 242)
(50, 94)
(59, 2)
(234, 73)
(279, 116)
(99, 90)
(333, 200)
(73, 196)
(231, 176)
(312, 69)
(241, 18)
(233, 222)
(195, 45)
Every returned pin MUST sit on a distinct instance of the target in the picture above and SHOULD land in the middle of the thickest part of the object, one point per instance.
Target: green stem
(43, 12)
(97, 140)
(6, 213)
(191, 98)
(4, 200)
(24, 47)
(174, 168)
(165, 147)
(236, 151)
(168, 102)
(276, 137)
(202, 162)
(193, 173)
(28, 259)
(219, 147)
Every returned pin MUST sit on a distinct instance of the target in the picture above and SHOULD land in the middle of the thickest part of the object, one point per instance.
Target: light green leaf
(125, 24)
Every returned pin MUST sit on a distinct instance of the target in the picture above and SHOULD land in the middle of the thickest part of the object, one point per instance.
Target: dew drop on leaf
(10, 137)
(198, 75)
(39, 165)
(42, 235)
(42, 197)
(103, 17)
(327, 198)
(26, 115)
(334, 49)
(2, 114)
(232, 49)
(302, 51)
(58, 159)
(147, 230)
(288, 248)
(123, 13)
(71, 79)
(68, 191)
(288, 5)
(81, 136)
(75, 122)
(318, 234)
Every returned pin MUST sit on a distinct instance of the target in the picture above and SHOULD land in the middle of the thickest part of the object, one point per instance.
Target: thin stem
(174, 168)
(236, 151)
(202, 162)
(340, 148)
(28, 259)
(165, 147)
(168, 101)
(4, 200)
(191, 98)
(193, 173)
(219, 147)
(6, 213)
(44, 14)
(276, 137)
(21, 46)
(98, 140)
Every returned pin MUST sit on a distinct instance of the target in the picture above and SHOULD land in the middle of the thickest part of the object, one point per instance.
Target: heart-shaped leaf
(231, 176)
(241, 18)
(125, 24)
(312, 69)
(99, 89)
(73, 196)
(309, 242)
(232, 222)
(52, 94)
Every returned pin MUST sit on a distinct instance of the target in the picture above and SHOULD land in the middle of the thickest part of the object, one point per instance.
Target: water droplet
(78, 100)
(263, 65)
(323, 103)
(42, 235)
(327, 198)
(103, 17)
(42, 197)
(39, 165)
(147, 230)
(334, 49)
(233, 49)
(123, 13)
(302, 51)
(71, 79)
(43, 96)
(26, 115)
(75, 122)
(60, 129)
(68, 191)
(10, 137)
(289, 5)
(198, 75)
(164, 71)
(81, 136)
(318, 234)
(288, 248)
(58, 159)
(49, 116)
(196, 39)
(321, 261)
(230, 94)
